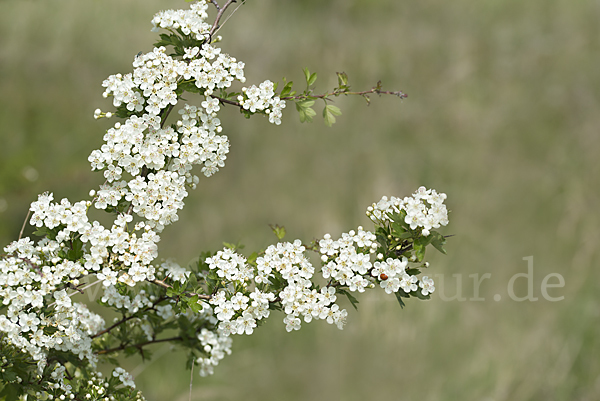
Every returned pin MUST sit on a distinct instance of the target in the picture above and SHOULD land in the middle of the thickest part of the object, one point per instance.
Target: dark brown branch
(192, 294)
(219, 15)
(126, 319)
(138, 346)
(226, 101)
(214, 3)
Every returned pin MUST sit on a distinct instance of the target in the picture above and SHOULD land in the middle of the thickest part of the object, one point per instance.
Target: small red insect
(383, 276)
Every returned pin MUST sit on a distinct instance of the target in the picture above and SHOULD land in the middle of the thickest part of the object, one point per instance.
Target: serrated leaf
(329, 113)
(304, 104)
(306, 74)
(193, 304)
(278, 230)
(350, 297)
(304, 110)
(400, 301)
(419, 251)
(311, 80)
(438, 241)
(287, 89)
(342, 79)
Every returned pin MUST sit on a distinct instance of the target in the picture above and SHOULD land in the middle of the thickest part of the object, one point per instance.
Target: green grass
(501, 115)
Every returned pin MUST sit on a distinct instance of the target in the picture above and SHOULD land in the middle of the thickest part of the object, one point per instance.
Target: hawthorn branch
(376, 89)
(219, 15)
(139, 346)
(24, 224)
(304, 96)
(161, 283)
(128, 318)
(214, 3)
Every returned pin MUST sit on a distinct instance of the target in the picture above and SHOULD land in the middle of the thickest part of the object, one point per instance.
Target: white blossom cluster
(112, 297)
(31, 282)
(188, 21)
(217, 345)
(109, 252)
(299, 298)
(125, 377)
(262, 98)
(148, 167)
(230, 266)
(174, 271)
(424, 209)
(348, 261)
(349, 258)
(238, 313)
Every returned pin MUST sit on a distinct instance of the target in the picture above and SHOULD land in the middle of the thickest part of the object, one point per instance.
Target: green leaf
(329, 113)
(193, 281)
(400, 231)
(413, 272)
(438, 241)
(419, 251)
(312, 79)
(278, 230)
(193, 304)
(304, 110)
(400, 301)
(188, 87)
(350, 297)
(76, 251)
(419, 247)
(399, 219)
(306, 74)
(420, 295)
(342, 79)
(252, 257)
(41, 232)
(287, 89)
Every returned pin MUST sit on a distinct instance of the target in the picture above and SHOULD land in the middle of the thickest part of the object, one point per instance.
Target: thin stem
(191, 379)
(219, 16)
(139, 345)
(165, 285)
(325, 96)
(229, 16)
(226, 101)
(376, 90)
(214, 3)
(126, 319)
(24, 224)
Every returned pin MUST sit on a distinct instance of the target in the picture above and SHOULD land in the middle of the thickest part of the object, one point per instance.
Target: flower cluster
(148, 168)
(262, 98)
(230, 266)
(124, 376)
(232, 309)
(349, 258)
(299, 297)
(424, 209)
(217, 345)
(188, 21)
(40, 315)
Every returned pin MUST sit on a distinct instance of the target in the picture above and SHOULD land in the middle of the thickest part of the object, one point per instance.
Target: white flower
(427, 285)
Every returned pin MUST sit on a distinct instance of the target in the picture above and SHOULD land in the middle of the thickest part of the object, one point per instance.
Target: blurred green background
(502, 115)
